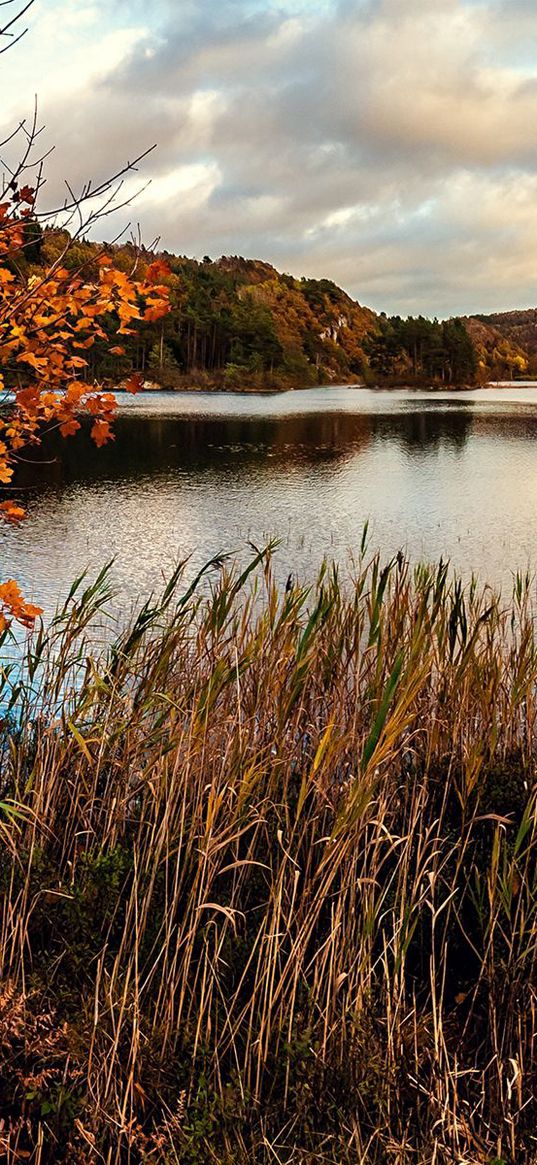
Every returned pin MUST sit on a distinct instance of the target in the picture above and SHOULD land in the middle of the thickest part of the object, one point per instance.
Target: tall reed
(268, 884)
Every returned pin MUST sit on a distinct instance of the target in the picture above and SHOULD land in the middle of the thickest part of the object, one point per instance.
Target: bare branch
(102, 188)
(4, 31)
(12, 135)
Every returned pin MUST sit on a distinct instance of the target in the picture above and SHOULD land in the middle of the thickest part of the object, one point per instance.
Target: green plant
(271, 874)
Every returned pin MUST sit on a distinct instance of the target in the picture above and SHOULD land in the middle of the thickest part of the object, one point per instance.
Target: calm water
(200, 474)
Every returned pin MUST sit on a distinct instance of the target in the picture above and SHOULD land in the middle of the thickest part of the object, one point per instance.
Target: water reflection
(155, 445)
(149, 445)
(423, 432)
(454, 477)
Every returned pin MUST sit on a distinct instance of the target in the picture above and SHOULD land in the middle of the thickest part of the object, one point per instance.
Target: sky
(389, 145)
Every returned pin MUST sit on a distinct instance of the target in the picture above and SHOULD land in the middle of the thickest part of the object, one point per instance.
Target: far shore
(219, 387)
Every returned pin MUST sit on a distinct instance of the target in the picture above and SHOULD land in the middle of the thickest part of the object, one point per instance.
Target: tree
(162, 360)
(423, 350)
(50, 321)
(461, 357)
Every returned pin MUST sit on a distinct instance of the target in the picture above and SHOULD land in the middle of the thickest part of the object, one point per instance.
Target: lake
(452, 474)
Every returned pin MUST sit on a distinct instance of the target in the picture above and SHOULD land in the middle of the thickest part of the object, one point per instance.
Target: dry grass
(268, 877)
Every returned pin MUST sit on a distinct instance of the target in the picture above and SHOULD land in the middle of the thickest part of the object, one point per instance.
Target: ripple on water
(200, 474)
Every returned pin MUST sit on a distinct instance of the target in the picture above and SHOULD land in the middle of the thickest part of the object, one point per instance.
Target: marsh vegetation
(269, 873)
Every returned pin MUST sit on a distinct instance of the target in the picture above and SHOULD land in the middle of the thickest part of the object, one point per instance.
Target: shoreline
(259, 390)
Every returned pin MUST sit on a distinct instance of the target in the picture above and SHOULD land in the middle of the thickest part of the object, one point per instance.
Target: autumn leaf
(101, 433)
(31, 358)
(47, 320)
(27, 399)
(12, 512)
(70, 427)
(12, 600)
(152, 314)
(134, 384)
(25, 194)
(157, 270)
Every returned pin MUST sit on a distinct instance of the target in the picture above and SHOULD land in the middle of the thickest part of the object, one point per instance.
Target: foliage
(270, 892)
(422, 349)
(506, 344)
(243, 325)
(50, 319)
(235, 320)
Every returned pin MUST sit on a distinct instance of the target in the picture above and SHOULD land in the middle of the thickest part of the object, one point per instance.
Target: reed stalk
(268, 875)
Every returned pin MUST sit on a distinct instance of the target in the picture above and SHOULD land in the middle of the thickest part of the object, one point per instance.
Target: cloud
(387, 144)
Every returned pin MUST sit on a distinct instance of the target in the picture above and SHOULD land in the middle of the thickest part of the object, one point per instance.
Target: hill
(235, 323)
(506, 343)
(239, 324)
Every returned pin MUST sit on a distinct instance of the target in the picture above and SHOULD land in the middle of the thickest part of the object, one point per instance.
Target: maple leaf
(158, 269)
(134, 384)
(45, 319)
(152, 314)
(11, 512)
(12, 600)
(101, 433)
(25, 194)
(75, 392)
(27, 399)
(127, 312)
(70, 427)
(32, 359)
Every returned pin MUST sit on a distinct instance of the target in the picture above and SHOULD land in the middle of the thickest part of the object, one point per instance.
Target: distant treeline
(422, 349)
(240, 324)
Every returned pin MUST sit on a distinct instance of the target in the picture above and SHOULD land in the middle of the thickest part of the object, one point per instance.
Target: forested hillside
(234, 323)
(418, 350)
(506, 343)
(239, 324)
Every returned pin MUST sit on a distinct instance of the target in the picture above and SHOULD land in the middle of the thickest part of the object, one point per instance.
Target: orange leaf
(69, 428)
(134, 383)
(26, 194)
(30, 358)
(28, 399)
(11, 512)
(13, 601)
(158, 269)
(101, 433)
(152, 314)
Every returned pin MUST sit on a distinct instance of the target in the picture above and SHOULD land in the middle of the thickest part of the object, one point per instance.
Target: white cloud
(191, 184)
(388, 144)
